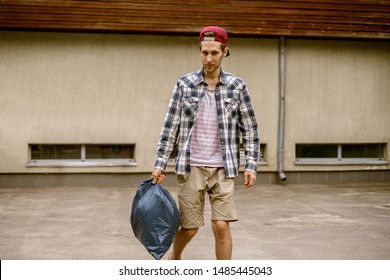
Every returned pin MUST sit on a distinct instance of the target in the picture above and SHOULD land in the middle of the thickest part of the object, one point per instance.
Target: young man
(208, 112)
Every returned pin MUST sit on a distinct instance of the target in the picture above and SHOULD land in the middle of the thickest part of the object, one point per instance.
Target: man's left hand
(249, 179)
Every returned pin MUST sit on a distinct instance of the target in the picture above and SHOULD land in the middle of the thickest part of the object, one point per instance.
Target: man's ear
(225, 51)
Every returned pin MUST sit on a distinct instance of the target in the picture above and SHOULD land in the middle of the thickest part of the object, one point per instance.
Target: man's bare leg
(223, 240)
(182, 238)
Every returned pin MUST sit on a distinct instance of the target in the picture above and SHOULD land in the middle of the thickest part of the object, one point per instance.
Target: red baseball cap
(220, 35)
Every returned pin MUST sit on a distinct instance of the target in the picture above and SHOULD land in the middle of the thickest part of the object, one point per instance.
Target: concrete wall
(106, 88)
(86, 88)
(336, 92)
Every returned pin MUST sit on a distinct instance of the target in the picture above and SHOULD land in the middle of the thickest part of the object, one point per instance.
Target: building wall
(113, 88)
(336, 92)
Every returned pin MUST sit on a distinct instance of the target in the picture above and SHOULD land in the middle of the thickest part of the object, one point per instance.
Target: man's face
(211, 55)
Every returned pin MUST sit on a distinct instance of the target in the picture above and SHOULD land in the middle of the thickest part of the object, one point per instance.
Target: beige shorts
(191, 194)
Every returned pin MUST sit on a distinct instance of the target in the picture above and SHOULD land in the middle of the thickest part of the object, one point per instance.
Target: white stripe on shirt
(205, 140)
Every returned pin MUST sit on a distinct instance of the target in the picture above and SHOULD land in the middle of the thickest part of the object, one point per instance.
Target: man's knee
(220, 227)
(189, 232)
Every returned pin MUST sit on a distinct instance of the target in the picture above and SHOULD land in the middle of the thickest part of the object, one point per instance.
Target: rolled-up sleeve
(249, 131)
(170, 129)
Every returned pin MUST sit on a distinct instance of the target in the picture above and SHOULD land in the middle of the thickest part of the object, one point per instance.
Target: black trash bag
(154, 218)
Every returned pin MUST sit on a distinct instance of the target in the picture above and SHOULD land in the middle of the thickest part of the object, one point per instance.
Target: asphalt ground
(276, 222)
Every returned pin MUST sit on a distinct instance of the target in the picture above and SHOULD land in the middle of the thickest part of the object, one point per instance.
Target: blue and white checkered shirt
(236, 118)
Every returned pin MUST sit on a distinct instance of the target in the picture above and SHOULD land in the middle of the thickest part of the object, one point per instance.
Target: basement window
(340, 154)
(81, 155)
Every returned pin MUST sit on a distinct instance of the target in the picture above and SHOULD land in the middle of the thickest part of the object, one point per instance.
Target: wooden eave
(367, 19)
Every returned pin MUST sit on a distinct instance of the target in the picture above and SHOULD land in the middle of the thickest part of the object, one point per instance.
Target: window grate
(333, 154)
(81, 155)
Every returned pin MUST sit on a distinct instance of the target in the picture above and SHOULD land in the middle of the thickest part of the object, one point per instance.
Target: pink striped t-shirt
(205, 140)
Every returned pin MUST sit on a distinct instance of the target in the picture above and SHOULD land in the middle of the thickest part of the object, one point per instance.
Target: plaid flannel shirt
(236, 118)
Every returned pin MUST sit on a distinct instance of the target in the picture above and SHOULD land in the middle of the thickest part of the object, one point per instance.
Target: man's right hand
(158, 175)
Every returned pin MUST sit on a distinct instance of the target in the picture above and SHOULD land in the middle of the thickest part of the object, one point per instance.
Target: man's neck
(212, 79)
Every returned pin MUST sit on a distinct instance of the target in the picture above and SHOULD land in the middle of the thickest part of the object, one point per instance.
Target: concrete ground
(277, 222)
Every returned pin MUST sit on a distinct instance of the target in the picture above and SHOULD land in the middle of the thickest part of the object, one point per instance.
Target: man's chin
(209, 69)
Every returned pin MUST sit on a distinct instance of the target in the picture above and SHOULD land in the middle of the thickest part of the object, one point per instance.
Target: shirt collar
(199, 77)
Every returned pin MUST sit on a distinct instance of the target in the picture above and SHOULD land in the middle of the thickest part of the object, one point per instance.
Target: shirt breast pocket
(190, 106)
(231, 108)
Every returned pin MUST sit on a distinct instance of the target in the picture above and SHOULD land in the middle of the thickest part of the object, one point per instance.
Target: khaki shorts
(191, 194)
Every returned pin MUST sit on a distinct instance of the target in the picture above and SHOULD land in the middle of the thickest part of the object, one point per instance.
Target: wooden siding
(304, 18)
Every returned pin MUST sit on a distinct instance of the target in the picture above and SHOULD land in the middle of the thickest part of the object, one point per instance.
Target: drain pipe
(282, 45)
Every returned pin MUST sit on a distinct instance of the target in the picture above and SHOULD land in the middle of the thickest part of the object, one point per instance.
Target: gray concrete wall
(106, 88)
(336, 92)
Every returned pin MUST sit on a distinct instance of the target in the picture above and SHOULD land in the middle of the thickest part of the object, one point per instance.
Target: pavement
(276, 222)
